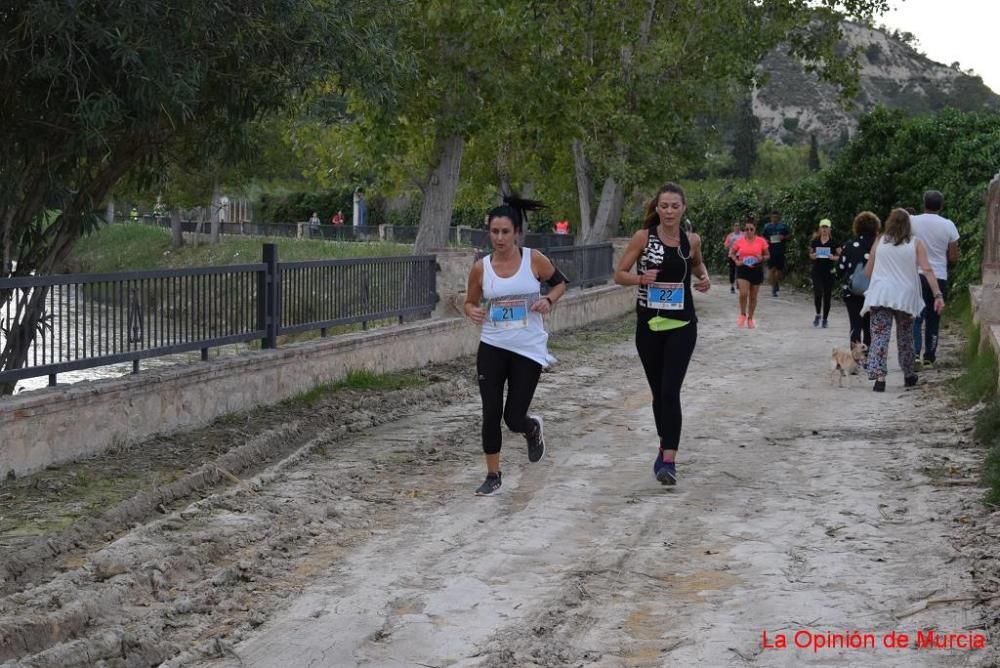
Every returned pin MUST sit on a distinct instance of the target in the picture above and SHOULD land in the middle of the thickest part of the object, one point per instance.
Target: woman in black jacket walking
(855, 252)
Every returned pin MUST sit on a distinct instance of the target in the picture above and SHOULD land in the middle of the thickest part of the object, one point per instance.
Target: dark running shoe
(879, 386)
(536, 443)
(667, 475)
(911, 381)
(658, 462)
(490, 485)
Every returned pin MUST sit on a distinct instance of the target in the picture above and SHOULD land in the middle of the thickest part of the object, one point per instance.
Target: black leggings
(732, 270)
(497, 366)
(665, 357)
(860, 326)
(822, 291)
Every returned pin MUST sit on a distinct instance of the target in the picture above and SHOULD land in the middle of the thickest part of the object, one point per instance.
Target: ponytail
(516, 208)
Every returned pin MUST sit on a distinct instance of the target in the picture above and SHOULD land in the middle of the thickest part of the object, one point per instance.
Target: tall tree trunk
(109, 212)
(439, 194)
(8, 243)
(215, 211)
(176, 233)
(584, 189)
(609, 212)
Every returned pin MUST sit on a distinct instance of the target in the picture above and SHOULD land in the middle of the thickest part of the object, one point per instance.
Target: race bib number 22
(666, 296)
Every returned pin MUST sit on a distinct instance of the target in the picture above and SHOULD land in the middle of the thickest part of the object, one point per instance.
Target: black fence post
(268, 310)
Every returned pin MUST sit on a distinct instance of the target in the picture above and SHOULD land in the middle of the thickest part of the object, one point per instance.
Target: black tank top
(673, 265)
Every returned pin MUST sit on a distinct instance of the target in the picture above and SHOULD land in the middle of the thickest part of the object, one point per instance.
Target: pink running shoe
(751, 324)
(741, 321)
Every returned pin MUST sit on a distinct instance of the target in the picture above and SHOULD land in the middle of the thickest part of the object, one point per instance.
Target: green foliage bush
(294, 207)
(890, 162)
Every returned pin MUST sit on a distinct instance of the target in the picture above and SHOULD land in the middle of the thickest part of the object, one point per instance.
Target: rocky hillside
(794, 103)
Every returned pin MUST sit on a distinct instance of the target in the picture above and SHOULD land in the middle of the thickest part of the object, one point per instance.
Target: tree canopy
(97, 91)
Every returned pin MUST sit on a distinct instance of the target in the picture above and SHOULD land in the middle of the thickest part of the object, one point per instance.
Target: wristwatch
(939, 296)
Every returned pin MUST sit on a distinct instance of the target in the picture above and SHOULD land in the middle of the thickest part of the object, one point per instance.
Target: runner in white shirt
(504, 298)
(940, 237)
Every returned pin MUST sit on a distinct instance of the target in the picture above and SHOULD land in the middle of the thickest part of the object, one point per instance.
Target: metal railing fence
(98, 319)
(404, 234)
(584, 266)
(325, 293)
(540, 240)
(91, 320)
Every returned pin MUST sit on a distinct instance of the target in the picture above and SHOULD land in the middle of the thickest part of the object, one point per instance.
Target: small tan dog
(847, 362)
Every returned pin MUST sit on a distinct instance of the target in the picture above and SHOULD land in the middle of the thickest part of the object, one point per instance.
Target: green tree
(97, 90)
(745, 139)
(814, 165)
(648, 71)
(615, 88)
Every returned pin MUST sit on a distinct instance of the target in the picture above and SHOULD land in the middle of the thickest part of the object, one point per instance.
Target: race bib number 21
(509, 313)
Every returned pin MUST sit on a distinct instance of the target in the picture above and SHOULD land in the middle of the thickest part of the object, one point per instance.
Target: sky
(952, 30)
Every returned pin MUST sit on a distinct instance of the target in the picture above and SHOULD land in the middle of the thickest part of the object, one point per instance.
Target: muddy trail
(341, 529)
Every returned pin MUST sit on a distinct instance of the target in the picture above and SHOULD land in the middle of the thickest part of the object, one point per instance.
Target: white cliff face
(794, 104)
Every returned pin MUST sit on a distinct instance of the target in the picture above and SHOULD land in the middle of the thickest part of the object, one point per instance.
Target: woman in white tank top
(504, 297)
(894, 294)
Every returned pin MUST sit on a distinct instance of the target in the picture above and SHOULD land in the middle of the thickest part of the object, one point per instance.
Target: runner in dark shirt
(776, 233)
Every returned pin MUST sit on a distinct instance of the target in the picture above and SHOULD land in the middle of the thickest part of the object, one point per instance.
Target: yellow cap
(825, 223)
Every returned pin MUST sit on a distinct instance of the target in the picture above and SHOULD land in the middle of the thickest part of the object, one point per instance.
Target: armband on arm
(556, 278)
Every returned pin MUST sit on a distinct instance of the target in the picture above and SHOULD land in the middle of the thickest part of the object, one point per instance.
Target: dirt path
(802, 507)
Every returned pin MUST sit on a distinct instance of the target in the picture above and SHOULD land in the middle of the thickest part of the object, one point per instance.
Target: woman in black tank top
(665, 258)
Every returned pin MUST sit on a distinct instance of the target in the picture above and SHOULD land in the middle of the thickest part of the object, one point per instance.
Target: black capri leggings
(497, 366)
(665, 357)
(732, 270)
(822, 291)
(860, 325)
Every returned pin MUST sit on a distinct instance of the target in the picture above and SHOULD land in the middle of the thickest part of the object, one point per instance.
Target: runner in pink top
(749, 253)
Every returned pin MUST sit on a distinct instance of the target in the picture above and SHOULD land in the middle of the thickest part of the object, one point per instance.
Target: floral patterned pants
(881, 324)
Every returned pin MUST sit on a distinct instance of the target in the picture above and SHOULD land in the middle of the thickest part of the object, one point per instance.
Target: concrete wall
(64, 423)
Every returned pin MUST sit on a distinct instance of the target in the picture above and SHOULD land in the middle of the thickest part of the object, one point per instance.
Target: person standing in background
(940, 237)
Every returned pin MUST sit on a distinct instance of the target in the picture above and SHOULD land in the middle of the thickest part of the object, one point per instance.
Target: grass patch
(595, 335)
(132, 247)
(978, 381)
(358, 379)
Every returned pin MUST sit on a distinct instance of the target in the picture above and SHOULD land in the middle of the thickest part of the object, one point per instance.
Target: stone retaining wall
(61, 424)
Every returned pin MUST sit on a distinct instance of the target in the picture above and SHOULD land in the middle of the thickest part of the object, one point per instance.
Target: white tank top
(895, 283)
(509, 323)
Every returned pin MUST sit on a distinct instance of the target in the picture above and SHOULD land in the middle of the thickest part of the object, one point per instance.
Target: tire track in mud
(800, 505)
